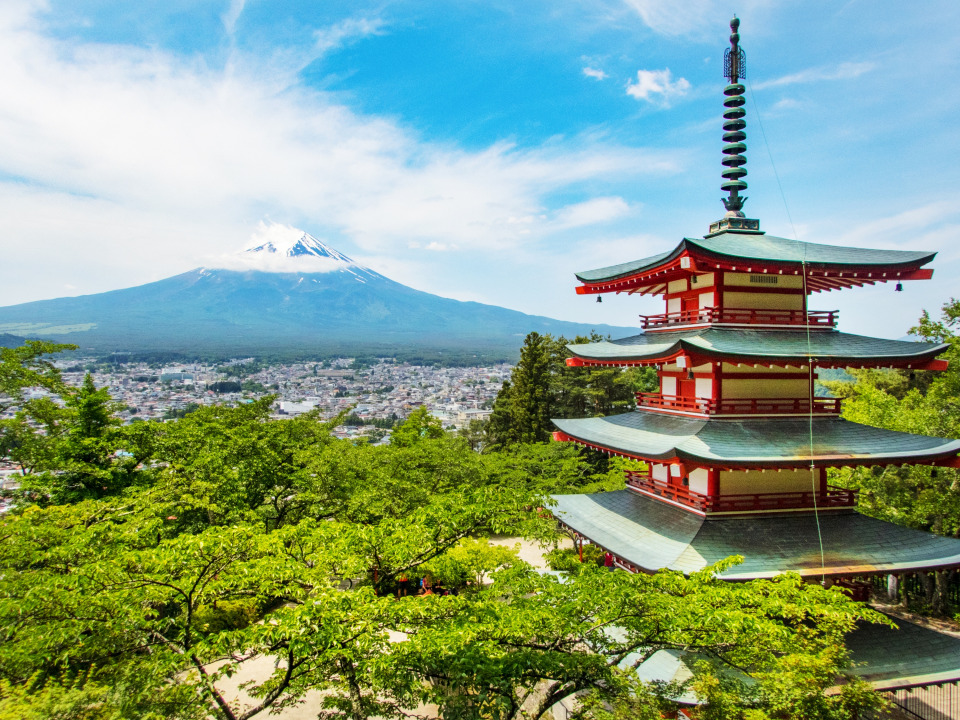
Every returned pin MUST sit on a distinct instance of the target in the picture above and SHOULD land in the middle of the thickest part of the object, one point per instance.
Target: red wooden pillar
(718, 295)
(713, 484)
(678, 480)
(715, 389)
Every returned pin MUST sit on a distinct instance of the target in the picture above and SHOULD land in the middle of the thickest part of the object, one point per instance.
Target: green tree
(27, 366)
(72, 452)
(531, 641)
(923, 403)
(475, 433)
(231, 542)
(22, 368)
(542, 387)
(418, 426)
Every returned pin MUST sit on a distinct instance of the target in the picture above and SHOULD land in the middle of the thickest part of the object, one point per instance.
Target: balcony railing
(817, 318)
(740, 406)
(833, 497)
(677, 493)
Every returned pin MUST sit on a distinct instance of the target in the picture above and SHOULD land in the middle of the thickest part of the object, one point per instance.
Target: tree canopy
(542, 387)
(145, 565)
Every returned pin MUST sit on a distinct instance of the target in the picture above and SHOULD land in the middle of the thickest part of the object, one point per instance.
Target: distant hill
(9, 341)
(298, 296)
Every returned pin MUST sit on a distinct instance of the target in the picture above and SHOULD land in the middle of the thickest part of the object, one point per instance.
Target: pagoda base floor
(649, 535)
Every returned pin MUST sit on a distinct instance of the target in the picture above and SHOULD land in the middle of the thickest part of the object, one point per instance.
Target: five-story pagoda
(736, 442)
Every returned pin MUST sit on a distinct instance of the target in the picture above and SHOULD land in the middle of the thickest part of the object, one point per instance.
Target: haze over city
(480, 151)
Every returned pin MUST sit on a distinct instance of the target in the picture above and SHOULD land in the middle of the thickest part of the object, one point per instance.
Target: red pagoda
(736, 442)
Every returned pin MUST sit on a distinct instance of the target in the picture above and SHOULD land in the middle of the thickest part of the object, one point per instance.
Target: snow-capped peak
(286, 249)
(286, 241)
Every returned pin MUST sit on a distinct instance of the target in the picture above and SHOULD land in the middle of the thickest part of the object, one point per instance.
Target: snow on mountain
(287, 292)
(285, 249)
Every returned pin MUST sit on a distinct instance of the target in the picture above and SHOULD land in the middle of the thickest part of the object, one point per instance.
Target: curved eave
(650, 275)
(734, 444)
(701, 346)
(652, 535)
(923, 656)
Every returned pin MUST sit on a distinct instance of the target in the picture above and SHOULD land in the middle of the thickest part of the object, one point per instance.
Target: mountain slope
(344, 308)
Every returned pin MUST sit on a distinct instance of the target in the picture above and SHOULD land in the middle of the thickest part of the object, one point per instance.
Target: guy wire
(814, 480)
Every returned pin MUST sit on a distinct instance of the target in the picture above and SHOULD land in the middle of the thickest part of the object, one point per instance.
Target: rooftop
(830, 348)
(653, 535)
(746, 443)
(827, 266)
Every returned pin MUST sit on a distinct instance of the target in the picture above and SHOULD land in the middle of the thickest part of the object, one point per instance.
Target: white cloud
(786, 105)
(843, 71)
(595, 73)
(657, 87)
(133, 164)
(274, 264)
(231, 15)
(933, 222)
(439, 246)
(673, 18)
(698, 18)
(336, 36)
(591, 212)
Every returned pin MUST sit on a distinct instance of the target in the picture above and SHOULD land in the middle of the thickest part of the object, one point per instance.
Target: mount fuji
(287, 293)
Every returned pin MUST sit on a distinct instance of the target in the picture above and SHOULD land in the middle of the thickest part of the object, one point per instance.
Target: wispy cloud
(673, 18)
(231, 15)
(843, 71)
(902, 230)
(149, 163)
(657, 87)
(786, 105)
(591, 212)
(336, 36)
(595, 73)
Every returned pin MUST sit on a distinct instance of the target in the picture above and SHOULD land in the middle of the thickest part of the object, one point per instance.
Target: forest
(143, 566)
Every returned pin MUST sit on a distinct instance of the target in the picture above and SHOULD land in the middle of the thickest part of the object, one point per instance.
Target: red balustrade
(672, 402)
(817, 318)
(677, 493)
(833, 497)
(740, 406)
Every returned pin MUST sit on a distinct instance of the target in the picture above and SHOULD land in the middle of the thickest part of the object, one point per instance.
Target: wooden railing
(819, 318)
(834, 497)
(677, 493)
(740, 406)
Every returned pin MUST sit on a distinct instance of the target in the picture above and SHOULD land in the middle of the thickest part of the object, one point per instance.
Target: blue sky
(478, 150)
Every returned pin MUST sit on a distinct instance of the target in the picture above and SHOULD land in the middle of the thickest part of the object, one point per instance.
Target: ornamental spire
(734, 170)
(734, 68)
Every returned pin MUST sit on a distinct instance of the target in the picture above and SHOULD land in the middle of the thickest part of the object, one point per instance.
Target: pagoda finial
(734, 68)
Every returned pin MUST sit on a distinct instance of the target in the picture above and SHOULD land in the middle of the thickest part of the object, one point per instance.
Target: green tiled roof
(908, 656)
(627, 268)
(825, 345)
(654, 535)
(751, 246)
(762, 442)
